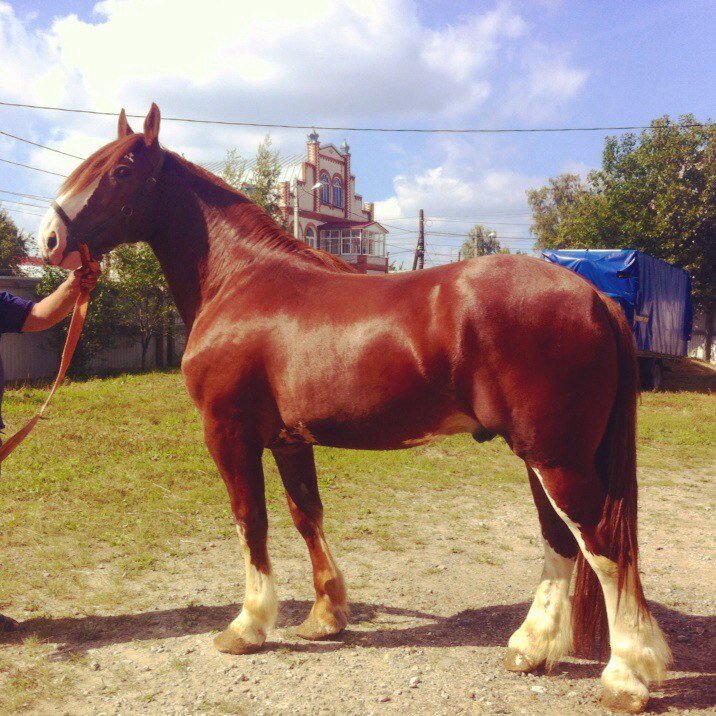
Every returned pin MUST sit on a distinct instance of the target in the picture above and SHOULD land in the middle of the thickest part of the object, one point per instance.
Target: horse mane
(252, 221)
(99, 162)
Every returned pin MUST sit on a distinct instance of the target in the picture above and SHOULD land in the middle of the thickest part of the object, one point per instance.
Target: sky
(392, 63)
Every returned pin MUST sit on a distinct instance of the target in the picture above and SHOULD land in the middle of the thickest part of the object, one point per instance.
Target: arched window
(311, 237)
(338, 193)
(325, 188)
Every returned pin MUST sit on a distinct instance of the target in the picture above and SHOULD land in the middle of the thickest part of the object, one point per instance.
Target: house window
(325, 188)
(374, 243)
(311, 237)
(331, 241)
(338, 193)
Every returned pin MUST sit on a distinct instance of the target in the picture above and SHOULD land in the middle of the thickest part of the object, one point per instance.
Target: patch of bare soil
(430, 621)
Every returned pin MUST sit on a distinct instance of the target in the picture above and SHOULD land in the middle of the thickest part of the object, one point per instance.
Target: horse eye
(121, 172)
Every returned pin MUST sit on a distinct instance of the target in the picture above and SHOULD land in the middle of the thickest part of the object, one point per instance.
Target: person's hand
(85, 279)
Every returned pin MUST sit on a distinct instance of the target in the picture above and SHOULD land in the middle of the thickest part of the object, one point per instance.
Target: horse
(288, 348)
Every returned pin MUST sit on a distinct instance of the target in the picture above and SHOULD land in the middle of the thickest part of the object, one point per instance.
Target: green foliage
(236, 170)
(100, 331)
(258, 179)
(13, 245)
(131, 299)
(482, 242)
(143, 294)
(655, 192)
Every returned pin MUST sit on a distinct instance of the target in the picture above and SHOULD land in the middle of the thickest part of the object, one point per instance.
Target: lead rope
(73, 336)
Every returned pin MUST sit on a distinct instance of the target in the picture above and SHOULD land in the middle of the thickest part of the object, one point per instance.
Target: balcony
(351, 243)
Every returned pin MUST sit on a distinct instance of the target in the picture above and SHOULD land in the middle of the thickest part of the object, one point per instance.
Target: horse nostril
(51, 241)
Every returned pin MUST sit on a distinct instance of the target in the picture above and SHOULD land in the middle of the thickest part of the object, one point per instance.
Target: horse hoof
(229, 642)
(623, 701)
(516, 661)
(313, 630)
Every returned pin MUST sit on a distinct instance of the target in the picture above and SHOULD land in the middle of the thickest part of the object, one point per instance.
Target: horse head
(105, 201)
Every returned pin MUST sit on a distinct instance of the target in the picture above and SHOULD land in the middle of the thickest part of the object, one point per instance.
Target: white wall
(697, 344)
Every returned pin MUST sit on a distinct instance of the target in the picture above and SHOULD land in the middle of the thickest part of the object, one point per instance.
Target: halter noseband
(124, 213)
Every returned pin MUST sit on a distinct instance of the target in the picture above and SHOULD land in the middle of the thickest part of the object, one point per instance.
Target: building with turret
(318, 200)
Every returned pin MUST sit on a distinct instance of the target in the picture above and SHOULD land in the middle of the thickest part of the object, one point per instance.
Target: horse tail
(615, 462)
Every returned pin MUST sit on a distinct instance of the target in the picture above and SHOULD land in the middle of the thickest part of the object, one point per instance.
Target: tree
(655, 192)
(236, 170)
(99, 333)
(482, 242)
(257, 179)
(552, 203)
(13, 245)
(143, 294)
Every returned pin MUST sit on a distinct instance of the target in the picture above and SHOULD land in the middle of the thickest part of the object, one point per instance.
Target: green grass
(119, 476)
(117, 482)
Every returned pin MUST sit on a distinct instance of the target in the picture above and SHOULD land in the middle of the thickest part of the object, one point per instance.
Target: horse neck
(203, 240)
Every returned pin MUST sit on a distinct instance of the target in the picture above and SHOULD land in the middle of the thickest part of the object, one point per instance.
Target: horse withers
(288, 348)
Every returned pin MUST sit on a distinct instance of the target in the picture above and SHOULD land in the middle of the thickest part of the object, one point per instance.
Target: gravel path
(430, 621)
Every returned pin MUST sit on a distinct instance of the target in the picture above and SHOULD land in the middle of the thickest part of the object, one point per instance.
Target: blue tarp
(654, 295)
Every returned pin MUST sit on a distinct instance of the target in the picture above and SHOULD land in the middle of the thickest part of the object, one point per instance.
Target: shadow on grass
(691, 376)
(385, 627)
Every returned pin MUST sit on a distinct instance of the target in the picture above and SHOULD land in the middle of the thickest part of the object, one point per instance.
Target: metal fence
(37, 355)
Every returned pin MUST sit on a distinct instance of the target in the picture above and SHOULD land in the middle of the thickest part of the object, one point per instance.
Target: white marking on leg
(546, 633)
(639, 652)
(260, 611)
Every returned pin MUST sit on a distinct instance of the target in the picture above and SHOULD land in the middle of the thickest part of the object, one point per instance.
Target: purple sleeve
(13, 312)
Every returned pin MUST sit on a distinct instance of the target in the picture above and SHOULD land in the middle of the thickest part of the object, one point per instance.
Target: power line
(460, 217)
(448, 233)
(42, 146)
(21, 211)
(37, 169)
(414, 130)
(21, 203)
(27, 196)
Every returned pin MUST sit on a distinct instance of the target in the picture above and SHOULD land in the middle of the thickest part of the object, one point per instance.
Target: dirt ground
(429, 624)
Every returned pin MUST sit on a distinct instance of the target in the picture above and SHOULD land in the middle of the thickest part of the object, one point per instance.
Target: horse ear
(123, 128)
(151, 126)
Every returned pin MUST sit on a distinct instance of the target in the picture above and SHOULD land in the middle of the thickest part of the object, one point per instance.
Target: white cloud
(328, 61)
(465, 189)
(547, 84)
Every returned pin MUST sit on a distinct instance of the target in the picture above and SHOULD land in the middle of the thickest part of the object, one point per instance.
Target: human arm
(53, 308)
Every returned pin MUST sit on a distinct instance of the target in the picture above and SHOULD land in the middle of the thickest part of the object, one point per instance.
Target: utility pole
(419, 258)
(296, 226)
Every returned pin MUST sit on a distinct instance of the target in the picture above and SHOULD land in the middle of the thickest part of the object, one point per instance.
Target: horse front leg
(329, 614)
(239, 462)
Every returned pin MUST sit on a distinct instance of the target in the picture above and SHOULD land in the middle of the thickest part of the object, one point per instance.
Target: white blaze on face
(52, 234)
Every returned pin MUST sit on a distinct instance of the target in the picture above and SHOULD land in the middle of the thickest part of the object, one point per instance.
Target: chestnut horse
(288, 348)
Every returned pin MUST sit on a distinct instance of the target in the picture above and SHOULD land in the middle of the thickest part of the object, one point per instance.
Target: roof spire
(313, 136)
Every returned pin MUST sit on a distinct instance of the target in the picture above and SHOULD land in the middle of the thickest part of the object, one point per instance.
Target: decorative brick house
(331, 216)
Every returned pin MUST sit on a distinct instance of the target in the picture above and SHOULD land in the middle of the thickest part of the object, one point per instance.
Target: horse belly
(391, 428)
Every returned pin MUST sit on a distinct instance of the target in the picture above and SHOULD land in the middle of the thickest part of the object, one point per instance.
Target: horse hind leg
(329, 614)
(639, 652)
(546, 633)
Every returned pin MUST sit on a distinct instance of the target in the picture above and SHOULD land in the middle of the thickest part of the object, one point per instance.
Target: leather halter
(125, 212)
